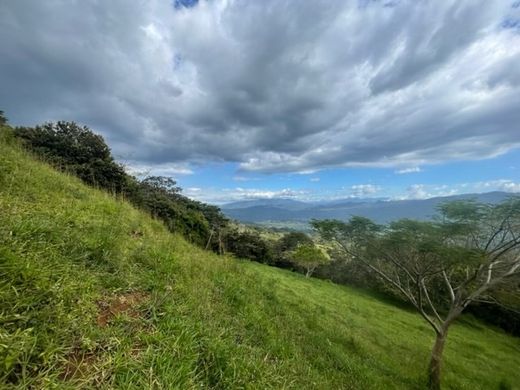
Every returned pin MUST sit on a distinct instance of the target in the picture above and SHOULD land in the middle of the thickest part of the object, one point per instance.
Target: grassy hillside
(94, 293)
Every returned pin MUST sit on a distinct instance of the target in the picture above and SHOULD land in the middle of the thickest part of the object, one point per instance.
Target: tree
(217, 223)
(309, 256)
(75, 149)
(249, 245)
(284, 247)
(439, 267)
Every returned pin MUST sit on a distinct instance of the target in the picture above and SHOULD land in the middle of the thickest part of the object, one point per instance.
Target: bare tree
(439, 267)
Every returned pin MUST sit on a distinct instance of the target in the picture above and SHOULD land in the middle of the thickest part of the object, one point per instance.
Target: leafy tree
(309, 256)
(78, 150)
(439, 267)
(217, 224)
(162, 197)
(290, 241)
(165, 185)
(249, 245)
(286, 245)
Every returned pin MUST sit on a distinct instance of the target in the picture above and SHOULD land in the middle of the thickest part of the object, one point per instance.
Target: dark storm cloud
(273, 85)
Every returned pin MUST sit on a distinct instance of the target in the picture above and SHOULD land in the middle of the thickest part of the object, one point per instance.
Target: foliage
(309, 256)
(67, 250)
(285, 245)
(249, 245)
(290, 241)
(161, 197)
(3, 118)
(439, 267)
(77, 150)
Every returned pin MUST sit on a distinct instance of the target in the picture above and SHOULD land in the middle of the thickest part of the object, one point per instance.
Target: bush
(249, 245)
(75, 149)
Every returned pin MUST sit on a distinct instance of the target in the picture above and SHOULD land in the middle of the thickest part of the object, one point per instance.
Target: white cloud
(245, 178)
(220, 196)
(505, 185)
(424, 191)
(417, 191)
(168, 169)
(510, 187)
(314, 179)
(248, 193)
(363, 190)
(408, 170)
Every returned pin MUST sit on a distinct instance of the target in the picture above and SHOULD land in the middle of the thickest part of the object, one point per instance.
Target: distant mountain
(288, 204)
(264, 211)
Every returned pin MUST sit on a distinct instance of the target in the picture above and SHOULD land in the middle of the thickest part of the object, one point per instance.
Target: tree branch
(448, 284)
(430, 303)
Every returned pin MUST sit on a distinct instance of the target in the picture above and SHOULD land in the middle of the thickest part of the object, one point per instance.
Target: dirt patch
(126, 304)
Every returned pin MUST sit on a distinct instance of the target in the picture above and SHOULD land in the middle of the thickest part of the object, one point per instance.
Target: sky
(309, 100)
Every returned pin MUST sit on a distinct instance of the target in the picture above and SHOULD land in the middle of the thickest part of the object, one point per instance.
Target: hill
(277, 212)
(96, 294)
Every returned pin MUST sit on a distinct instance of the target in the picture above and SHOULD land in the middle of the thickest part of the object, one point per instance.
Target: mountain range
(280, 211)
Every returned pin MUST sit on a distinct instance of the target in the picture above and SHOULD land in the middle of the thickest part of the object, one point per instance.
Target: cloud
(424, 191)
(417, 191)
(363, 190)
(314, 179)
(276, 86)
(414, 191)
(505, 185)
(167, 169)
(221, 196)
(408, 170)
(249, 193)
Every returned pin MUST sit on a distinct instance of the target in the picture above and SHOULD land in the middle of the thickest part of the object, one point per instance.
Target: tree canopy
(76, 149)
(309, 256)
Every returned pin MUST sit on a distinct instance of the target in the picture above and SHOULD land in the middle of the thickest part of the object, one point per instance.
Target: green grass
(188, 319)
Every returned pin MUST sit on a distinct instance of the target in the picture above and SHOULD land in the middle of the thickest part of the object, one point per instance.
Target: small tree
(309, 256)
(439, 267)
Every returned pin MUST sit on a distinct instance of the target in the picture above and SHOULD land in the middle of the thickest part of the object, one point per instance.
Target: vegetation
(439, 267)
(3, 119)
(309, 256)
(77, 150)
(96, 294)
(249, 245)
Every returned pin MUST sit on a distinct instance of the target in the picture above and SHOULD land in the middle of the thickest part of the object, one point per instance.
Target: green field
(95, 294)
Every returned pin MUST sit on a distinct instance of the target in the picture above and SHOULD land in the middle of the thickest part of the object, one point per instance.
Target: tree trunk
(209, 239)
(309, 272)
(434, 371)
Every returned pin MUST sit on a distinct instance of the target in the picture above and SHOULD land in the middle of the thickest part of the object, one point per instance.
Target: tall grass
(95, 294)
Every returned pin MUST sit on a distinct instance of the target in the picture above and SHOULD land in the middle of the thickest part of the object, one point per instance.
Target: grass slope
(95, 294)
